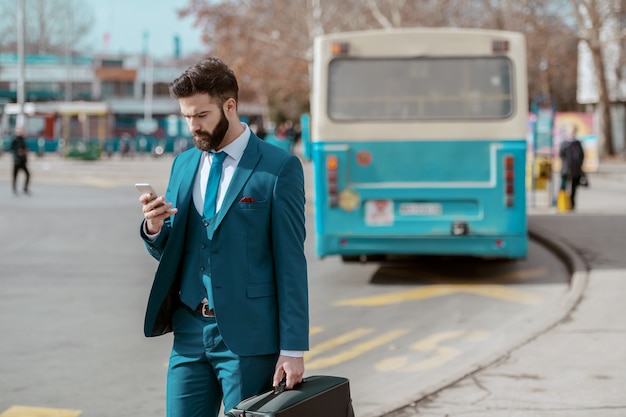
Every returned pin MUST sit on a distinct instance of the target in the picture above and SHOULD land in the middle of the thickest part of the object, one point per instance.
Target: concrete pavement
(574, 363)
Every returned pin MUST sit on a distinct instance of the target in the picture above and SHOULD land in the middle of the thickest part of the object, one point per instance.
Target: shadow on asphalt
(541, 266)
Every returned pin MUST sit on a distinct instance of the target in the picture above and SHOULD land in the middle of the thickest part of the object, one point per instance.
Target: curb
(525, 332)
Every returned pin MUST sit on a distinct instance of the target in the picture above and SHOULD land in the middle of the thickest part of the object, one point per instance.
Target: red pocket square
(247, 200)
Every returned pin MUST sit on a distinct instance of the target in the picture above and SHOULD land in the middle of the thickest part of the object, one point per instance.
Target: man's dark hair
(211, 76)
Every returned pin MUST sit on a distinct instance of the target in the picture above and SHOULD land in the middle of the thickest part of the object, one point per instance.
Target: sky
(126, 21)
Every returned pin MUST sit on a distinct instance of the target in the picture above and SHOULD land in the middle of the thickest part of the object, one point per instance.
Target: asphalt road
(74, 279)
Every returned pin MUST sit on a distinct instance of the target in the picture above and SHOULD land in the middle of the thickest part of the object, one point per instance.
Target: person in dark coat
(572, 155)
(19, 150)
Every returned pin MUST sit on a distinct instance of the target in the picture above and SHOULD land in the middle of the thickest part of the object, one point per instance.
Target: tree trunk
(604, 103)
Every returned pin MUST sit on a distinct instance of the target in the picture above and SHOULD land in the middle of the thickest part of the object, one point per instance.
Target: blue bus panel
(423, 197)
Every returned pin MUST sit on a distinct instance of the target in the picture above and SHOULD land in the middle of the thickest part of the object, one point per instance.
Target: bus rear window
(431, 88)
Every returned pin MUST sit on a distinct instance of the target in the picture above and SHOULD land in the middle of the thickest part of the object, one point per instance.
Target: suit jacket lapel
(246, 166)
(186, 176)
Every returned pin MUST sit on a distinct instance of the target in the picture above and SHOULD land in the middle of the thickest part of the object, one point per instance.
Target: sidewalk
(576, 365)
(606, 193)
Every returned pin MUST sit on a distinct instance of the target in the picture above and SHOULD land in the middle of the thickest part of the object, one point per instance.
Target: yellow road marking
(356, 350)
(21, 411)
(337, 341)
(503, 293)
(442, 355)
(493, 291)
(315, 330)
(432, 342)
(399, 297)
(392, 363)
(476, 336)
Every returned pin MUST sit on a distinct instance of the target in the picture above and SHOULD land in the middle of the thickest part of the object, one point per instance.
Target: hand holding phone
(155, 212)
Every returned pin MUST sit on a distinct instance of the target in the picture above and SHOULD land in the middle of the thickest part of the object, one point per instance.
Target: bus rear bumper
(514, 247)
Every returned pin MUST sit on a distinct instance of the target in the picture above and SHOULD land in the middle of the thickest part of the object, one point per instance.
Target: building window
(117, 89)
(161, 89)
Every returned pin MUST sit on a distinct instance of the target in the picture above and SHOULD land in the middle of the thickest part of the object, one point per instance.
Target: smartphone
(144, 188)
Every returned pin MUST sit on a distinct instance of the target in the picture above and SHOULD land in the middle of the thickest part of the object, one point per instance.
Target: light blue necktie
(210, 203)
(213, 184)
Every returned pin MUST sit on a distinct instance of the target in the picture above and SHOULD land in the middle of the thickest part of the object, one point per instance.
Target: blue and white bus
(418, 143)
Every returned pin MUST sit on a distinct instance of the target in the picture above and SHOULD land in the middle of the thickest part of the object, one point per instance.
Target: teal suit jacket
(258, 268)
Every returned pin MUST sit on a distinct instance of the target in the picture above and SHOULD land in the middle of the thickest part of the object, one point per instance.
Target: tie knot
(218, 157)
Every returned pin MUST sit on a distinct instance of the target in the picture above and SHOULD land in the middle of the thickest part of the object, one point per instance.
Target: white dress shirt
(234, 151)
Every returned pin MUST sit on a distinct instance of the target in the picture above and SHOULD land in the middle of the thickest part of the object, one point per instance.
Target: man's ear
(230, 106)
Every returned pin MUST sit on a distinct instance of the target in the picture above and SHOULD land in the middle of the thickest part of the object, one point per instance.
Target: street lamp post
(21, 67)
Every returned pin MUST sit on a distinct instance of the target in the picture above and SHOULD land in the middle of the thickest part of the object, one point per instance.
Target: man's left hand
(292, 368)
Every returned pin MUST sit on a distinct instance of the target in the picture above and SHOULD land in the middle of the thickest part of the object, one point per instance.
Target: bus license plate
(420, 209)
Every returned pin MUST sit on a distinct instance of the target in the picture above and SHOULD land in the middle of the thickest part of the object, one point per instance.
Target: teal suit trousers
(202, 369)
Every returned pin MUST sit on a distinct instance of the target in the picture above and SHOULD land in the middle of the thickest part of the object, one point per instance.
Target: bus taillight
(331, 176)
(340, 48)
(509, 177)
(499, 46)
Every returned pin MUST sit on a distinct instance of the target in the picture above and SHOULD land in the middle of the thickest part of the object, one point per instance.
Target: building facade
(132, 89)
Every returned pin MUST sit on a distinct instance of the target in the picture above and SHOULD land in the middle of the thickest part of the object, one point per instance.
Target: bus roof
(432, 41)
(438, 31)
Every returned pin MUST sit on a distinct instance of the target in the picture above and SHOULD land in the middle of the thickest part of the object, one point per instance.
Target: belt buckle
(206, 311)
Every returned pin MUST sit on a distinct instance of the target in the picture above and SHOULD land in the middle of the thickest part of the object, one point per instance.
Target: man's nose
(194, 125)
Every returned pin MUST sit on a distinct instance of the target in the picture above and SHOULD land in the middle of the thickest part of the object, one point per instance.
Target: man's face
(206, 121)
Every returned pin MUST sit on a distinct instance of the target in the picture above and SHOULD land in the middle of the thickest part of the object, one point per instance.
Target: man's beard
(206, 141)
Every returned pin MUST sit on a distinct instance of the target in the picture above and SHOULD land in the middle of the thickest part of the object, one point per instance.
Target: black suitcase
(315, 396)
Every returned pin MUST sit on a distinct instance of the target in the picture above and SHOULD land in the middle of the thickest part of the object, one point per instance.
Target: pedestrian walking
(572, 155)
(229, 237)
(19, 150)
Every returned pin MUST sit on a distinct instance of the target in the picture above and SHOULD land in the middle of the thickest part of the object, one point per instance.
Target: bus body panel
(426, 198)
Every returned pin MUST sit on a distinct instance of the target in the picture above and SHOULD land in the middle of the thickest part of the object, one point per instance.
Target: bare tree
(551, 45)
(52, 26)
(593, 16)
(269, 42)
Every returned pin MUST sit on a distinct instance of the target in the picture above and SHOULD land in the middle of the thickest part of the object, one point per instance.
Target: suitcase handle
(281, 386)
(277, 390)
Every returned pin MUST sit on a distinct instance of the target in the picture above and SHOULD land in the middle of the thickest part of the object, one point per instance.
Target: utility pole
(147, 125)
(21, 67)
(69, 31)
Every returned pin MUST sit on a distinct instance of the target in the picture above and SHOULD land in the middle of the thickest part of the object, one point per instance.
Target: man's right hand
(155, 211)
